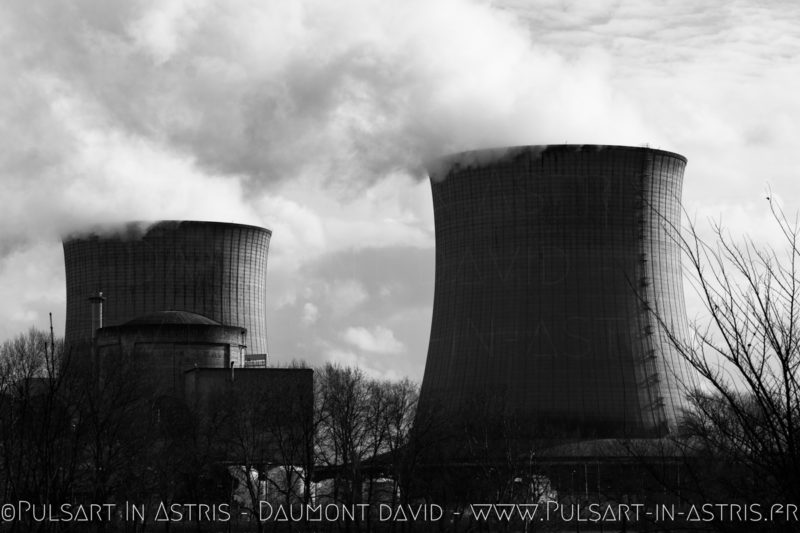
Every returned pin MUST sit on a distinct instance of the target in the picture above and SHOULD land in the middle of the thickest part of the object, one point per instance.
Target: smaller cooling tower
(550, 261)
(214, 269)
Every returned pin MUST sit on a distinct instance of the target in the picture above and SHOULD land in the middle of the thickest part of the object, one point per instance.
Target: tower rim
(439, 167)
(142, 227)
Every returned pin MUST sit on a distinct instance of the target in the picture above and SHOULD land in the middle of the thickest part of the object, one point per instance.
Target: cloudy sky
(314, 118)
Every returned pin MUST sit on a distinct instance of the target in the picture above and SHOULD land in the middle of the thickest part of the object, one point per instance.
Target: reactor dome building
(217, 270)
(556, 267)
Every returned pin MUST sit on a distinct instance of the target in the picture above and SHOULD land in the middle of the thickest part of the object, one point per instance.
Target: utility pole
(52, 339)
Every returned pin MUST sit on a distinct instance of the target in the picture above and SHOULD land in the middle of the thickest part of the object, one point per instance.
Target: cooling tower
(213, 269)
(552, 266)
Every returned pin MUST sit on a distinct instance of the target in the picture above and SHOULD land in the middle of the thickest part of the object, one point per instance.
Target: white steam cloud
(315, 118)
(150, 109)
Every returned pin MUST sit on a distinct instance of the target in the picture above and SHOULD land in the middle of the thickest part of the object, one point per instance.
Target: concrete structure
(290, 391)
(214, 269)
(166, 344)
(173, 314)
(552, 263)
(275, 409)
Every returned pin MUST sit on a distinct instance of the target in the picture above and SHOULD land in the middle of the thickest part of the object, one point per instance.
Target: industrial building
(182, 303)
(217, 270)
(288, 390)
(170, 343)
(554, 266)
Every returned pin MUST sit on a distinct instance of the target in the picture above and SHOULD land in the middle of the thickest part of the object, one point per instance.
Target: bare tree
(365, 443)
(41, 442)
(741, 434)
(403, 454)
(343, 441)
(240, 414)
(72, 432)
(263, 432)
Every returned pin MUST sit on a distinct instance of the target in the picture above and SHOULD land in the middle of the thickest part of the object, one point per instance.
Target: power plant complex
(557, 268)
(185, 301)
(554, 267)
(558, 286)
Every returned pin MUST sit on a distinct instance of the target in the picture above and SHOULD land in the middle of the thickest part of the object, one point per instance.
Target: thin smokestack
(97, 312)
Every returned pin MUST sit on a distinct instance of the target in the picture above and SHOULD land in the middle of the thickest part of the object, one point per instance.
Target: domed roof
(160, 318)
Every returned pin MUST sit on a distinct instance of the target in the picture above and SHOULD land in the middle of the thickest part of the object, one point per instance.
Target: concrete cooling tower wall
(550, 264)
(213, 269)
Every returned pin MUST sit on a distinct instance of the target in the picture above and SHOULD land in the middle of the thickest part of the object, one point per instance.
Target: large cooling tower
(214, 269)
(552, 263)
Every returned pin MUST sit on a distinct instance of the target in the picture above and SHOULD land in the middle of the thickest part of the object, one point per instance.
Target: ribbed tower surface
(552, 264)
(214, 269)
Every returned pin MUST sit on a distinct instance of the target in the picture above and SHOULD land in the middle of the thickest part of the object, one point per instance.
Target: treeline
(73, 431)
(76, 432)
(72, 435)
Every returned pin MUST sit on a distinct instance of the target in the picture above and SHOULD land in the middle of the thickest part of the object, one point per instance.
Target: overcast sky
(314, 118)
